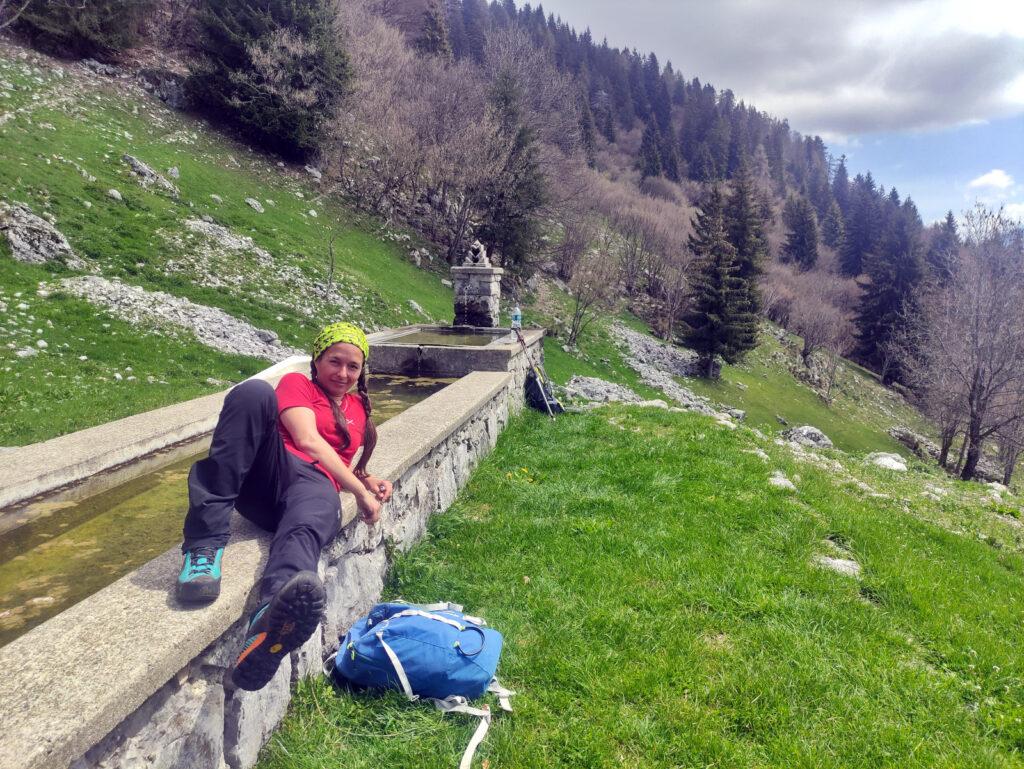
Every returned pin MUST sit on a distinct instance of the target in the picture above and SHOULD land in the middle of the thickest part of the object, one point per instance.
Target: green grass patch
(662, 608)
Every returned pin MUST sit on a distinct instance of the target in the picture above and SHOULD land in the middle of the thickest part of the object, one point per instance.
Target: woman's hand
(369, 507)
(381, 488)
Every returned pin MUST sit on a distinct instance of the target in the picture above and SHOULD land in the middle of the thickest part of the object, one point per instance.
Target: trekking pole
(537, 370)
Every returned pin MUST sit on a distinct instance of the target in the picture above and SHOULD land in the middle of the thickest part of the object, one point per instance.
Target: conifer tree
(942, 251)
(715, 324)
(801, 244)
(832, 227)
(649, 161)
(71, 27)
(745, 229)
(433, 37)
(893, 274)
(473, 25)
(273, 68)
(841, 186)
(861, 226)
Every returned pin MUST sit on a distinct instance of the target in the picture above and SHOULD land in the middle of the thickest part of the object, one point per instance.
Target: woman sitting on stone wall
(281, 458)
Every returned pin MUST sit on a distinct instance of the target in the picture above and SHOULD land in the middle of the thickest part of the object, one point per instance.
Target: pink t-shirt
(297, 390)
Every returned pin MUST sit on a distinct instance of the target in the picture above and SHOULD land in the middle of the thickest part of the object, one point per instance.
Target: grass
(698, 631)
(62, 152)
(857, 420)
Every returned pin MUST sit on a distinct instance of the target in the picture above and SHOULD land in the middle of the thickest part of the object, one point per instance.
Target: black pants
(250, 470)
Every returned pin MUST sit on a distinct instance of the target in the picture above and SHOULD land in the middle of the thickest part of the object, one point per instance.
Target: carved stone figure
(477, 256)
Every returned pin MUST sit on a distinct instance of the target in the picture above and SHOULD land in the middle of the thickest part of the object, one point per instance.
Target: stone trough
(127, 677)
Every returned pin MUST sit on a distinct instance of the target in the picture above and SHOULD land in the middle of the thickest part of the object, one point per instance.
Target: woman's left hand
(379, 487)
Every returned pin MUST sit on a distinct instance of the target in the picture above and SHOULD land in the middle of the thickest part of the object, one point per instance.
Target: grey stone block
(251, 717)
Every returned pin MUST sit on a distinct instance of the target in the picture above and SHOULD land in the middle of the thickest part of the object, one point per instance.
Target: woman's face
(338, 368)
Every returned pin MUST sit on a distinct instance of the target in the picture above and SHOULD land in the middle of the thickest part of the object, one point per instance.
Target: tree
(433, 37)
(841, 185)
(942, 251)
(745, 227)
(972, 331)
(649, 162)
(593, 289)
(715, 323)
(861, 226)
(273, 68)
(10, 10)
(72, 27)
(893, 275)
(832, 227)
(801, 244)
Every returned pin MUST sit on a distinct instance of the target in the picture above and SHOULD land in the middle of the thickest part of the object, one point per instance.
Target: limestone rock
(887, 461)
(418, 309)
(838, 565)
(114, 194)
(780, 481)
(147, 176)
(255, 205)
(211, 326)
(226, 240)
(589, 388)
(808, 436)
(917, 443)
(167, 86)
(34, 240)
(251, 717)
(314, 172)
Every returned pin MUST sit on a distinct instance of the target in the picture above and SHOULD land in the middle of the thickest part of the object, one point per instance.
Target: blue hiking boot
(279, 628)
(199, 581)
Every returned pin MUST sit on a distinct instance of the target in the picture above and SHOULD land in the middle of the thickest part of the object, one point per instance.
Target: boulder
(34, 240)
(917, 443)
(147, 176)
(167, 86)
(808, 436)
(255, 205)
(589, 388)
(780, 481)
(839, 565)
(887, 461)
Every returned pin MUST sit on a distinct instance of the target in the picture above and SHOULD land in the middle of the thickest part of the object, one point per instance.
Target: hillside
(859, 618)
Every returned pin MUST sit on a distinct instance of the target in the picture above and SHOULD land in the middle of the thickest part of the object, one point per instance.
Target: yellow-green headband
(341, 332)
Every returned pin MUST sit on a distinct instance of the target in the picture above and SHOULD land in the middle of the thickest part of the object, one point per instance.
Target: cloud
(841, 68)
(997, 178)
(1014, 211)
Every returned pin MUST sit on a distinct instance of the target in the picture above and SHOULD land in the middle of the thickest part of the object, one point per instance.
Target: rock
(808, 436)
(107, 70)
(588, 388)
(87, 204)
(173, 172)
(781, 420)
(314, 172)
(887, 461)
(838, 565)
(211, 326)
(677, 361)
(780, 481)
(226, 240)
(216, 199)
(112, 193)
(167, 86)
(255, 205)
(738, 414)
(147, 176)
(312, 212)
(921, 446)
(41, 344)
(27, 352)
(251, 717)
(33, 240)
(446, 282)
(418, 309)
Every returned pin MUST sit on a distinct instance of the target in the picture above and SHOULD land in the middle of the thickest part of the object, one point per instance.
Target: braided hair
(369, 432)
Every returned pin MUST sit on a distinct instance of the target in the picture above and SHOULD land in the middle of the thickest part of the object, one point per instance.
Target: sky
(926, 94)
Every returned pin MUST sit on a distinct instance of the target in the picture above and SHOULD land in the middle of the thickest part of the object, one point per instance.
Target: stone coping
(42, 468)
(71, 680)
(389, 339)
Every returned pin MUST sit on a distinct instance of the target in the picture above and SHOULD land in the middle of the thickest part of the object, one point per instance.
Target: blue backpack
(430, 652)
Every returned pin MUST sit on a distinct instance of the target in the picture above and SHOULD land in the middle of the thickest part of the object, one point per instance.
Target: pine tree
(649, 161)
(942, 251)
(861, 226)
(841, 186)
(745, 229)
(433, 37)
(801, 244)
(473, 24)
(96, 28)
(893, 274)
(510, 204)
(832, 227)
(273, 68)
(715, 324)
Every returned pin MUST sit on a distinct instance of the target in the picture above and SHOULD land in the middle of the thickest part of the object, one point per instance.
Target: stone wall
(196, 721)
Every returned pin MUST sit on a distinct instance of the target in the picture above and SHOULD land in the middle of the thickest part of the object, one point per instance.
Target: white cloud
(996, 178)
(1014, 211)
(841, 68)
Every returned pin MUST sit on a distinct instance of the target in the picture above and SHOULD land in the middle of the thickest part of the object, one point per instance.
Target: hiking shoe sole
(195, 591)
(289, 621)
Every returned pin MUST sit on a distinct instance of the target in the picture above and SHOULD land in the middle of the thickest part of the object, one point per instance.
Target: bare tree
(973, 331)
(593, 288)
(10, 10)
(673, 287)
(1010, 439)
